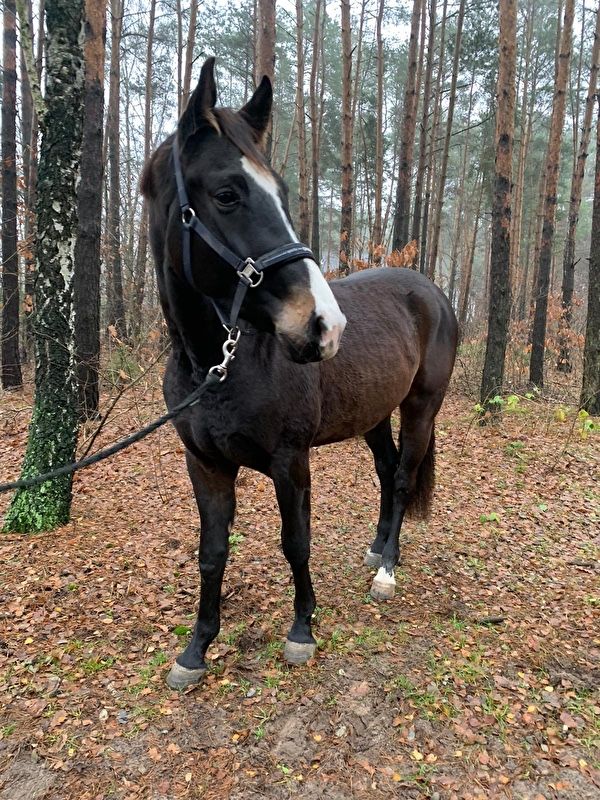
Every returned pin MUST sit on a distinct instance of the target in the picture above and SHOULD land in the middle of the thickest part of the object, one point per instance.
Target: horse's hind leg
(291, 476)
(385, 455)
(214, 489)
(413, 480)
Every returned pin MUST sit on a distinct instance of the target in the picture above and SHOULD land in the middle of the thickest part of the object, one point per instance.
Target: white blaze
(326, 306)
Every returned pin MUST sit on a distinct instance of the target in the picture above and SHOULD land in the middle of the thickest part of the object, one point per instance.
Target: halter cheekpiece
(250, 271)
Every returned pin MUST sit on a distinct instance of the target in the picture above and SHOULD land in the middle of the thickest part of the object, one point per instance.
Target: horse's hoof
(384, 585)
(181, 677)
(298, 652)
(382, 591)
(372, 559)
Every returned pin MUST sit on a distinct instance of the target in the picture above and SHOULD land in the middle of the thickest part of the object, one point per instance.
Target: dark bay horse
(296, 382)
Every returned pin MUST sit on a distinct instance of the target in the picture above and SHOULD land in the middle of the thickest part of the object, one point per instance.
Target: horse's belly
(355, 400)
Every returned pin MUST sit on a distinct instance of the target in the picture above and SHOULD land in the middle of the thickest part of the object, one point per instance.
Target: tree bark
(407, 135)
(11, 360)
(315, 125)
(437, 220)
(376, 235)
(568, 281)
(265, 56)
(86, 284)
(499, 303)
(303, 218)
(416, 226)
(536, 367)
(53, 430)
(346, 150)
(189, 47)
(139, 277)
(467, 270)
(590, 392)
(116, 306)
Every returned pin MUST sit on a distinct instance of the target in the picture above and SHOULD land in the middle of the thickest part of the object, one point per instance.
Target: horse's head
(243, 203)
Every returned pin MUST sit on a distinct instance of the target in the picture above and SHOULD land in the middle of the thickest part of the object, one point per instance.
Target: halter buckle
(248, 273)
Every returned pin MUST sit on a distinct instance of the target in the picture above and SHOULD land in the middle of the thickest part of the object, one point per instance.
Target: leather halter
(250, 271)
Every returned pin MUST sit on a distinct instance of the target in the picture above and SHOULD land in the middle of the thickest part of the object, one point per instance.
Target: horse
(317, 362)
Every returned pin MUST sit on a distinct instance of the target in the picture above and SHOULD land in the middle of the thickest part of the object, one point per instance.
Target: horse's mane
(227, 123)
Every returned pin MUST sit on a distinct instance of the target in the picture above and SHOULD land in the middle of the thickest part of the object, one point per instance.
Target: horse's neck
(194, 328)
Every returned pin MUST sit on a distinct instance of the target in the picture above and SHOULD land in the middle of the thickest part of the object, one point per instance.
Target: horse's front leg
(291, 476)
(214, 488)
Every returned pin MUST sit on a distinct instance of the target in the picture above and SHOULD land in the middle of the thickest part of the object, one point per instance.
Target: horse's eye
(226, 198)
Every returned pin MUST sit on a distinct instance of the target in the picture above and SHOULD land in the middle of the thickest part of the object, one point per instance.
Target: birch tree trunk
(536, 366)
(53, 430)
(568, 281)
(11, 360)
(499, 303)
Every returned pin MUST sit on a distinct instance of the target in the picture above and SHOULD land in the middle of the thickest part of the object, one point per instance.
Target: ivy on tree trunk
(53, 430)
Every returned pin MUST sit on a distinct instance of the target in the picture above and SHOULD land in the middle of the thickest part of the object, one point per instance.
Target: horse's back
(401, 335)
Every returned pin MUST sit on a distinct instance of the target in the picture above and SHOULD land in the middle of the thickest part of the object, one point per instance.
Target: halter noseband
(250, 271)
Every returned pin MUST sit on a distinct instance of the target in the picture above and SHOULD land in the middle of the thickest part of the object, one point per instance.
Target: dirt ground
(480, 679)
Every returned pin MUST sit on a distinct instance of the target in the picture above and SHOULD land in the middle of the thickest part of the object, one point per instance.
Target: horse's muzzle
(319, 343)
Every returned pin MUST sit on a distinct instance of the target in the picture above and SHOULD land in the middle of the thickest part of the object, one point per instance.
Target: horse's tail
(420, 502)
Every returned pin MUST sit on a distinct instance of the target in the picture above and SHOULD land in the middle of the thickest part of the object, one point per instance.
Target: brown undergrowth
(479, 680)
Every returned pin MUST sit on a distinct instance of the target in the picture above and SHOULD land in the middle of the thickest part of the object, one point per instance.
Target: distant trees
(590, 392)
(347, 141)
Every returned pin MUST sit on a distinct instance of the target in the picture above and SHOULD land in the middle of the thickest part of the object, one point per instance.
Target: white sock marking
(385, 577)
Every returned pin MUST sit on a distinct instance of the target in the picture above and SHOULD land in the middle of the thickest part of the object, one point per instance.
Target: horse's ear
(257, 111)
(202, 100)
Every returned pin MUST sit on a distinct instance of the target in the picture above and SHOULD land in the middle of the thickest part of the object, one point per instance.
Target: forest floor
(480, 679)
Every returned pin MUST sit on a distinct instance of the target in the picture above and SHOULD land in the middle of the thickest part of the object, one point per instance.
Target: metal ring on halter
(187, 220)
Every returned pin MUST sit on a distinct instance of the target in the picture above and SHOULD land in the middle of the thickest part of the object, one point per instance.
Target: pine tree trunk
(53, 430)
(11, 360)
(467, 271)
(437, 220)
(407, 136)
(425, 236)
(499, 304)
(568, 281)
(416, 226)
(315, 125)
(139, 278)
(303, 219)
(265, 55)
(346, 150)
(189, 47)
(377, 222)
(538, 341)
(86, 284)
(590, 392)
(116, 306)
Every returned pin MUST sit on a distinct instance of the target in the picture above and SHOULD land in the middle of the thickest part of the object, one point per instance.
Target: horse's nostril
(321, 324)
